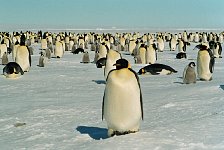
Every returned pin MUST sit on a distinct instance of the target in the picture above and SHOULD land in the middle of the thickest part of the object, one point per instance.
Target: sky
(112, 13)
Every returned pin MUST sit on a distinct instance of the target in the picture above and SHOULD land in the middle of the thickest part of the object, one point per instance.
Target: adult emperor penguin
(205, 63)
(151, 55)
(142, 53)
(160, 44)
(5, 59)
(189, 75)
(12, 70)
(122, 105)
(23, 57)
(157, 69)
(58, 50)
(173, 43)
(111, 58)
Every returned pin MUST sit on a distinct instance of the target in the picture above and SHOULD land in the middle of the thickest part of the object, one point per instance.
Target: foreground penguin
(12, 70)
(205, 63)
(122, 105)
(157, 69)
(189, 75)
(23, 57)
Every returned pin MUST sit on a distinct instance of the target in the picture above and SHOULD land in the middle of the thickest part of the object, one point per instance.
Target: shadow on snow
(94, 132)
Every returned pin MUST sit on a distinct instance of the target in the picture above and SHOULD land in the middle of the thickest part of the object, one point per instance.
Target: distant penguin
(14, 50)
(111, 58)
(181, 55)
(42, 59)
(103, 49)
(137, 59)
(131, 46)
(157, 69)
(205, 63)
(160, 44)
(173, 44)
(48, 53)
(78, 50)
(5, 59)
(58, 50)
(85, 57)
(23, 57)
(216, 47)
(142, 53)
(122, 105)
(189, 75)
(12, 70)
(151, 54)
(3, 48)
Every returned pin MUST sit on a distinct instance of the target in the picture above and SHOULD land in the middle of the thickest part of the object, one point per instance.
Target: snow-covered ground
(59, 107)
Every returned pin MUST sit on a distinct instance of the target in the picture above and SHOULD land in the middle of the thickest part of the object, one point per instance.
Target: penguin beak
(129, 65)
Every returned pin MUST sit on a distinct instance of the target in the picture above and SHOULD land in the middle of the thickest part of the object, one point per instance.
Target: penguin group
(115, 54)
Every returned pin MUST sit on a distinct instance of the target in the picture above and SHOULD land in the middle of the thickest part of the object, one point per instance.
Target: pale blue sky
(113, 13)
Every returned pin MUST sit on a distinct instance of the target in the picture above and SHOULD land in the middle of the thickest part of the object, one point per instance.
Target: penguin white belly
(58, 52)
(3, 49)
(165, 72)
(22, 58)
(173, 45)
(150, 56)
(122, 108)
(203, 70)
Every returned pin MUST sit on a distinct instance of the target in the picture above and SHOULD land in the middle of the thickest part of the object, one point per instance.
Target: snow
(59, 107)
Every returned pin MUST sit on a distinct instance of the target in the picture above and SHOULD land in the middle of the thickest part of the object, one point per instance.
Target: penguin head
(141, 71)
(191, 64)
(122, 63)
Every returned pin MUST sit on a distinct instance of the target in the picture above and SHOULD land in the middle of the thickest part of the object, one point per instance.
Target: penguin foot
(112, 133)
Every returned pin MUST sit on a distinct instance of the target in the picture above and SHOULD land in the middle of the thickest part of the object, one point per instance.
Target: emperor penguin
(103, 49)
(131, 46)
(85, 57)
(160, 44)
(151, 54)
(205, 63)
(44, 42)
(5, 59)
(14, 50)
(58, 50)
(173, 43)
(3, 48)
(157, 69)
(23, 57)
(12, 70)
(42, 59)
(122, 105)
(189, 75)
(111, 58)
(142, 53)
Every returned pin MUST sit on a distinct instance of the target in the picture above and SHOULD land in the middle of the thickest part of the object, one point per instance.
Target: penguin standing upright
(151, 55)
(122, 105)
(205, 63)
(142, 53)
(23, 57)
(42, 59)
(160, 44)
(58, 50)
(189, 75)
(173, 43)
(5, 59)
(85, 57)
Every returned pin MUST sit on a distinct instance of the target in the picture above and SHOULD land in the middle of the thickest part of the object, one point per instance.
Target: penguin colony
(122, 103)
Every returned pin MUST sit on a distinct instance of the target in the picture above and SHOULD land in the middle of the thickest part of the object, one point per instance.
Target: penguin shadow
(94, 132)
(99, 81)
(179, 82)
(222, 87)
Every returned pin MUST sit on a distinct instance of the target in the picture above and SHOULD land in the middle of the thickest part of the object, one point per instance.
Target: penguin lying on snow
(122, 105)
(157, 69)
(181, 55)
(12, 70)
(78, 50)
